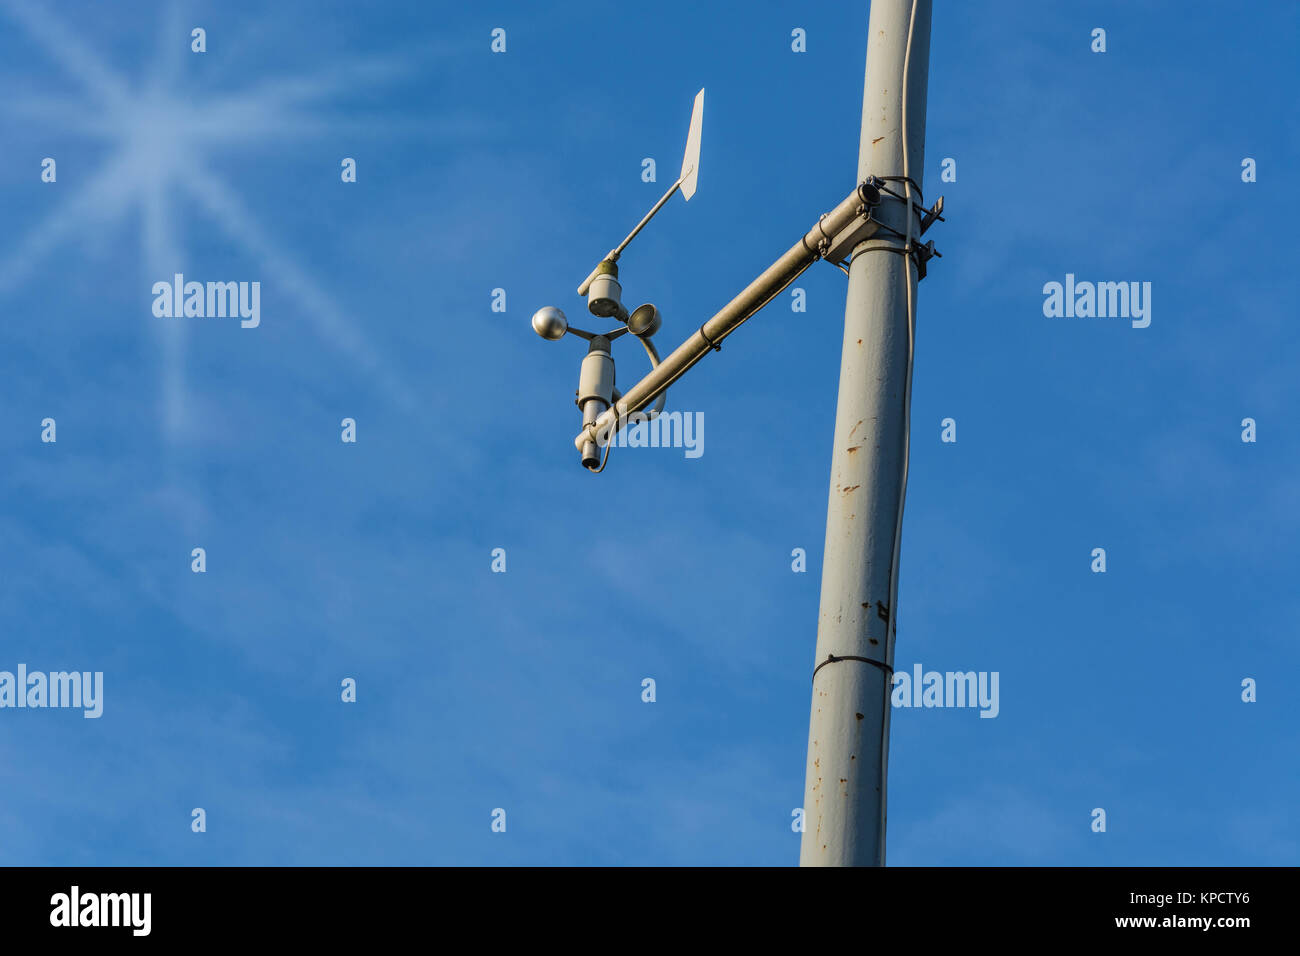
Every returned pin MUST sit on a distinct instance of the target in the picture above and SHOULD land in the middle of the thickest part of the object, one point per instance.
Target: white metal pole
(848, 739)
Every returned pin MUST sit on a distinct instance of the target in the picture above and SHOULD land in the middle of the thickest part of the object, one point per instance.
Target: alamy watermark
(923, 688)
(75, 908)
(666, 430)
(80, 689)
(211, 300)
(1102, 300)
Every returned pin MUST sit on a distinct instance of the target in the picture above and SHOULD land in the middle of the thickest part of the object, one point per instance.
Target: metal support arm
(848, 215)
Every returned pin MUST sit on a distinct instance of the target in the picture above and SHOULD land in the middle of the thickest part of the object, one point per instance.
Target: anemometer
(596, 390)
(875, 216)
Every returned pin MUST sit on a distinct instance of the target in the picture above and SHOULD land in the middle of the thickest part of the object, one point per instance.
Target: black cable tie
(709, 341)
(903, 179)
(901, 251)
(832, 659)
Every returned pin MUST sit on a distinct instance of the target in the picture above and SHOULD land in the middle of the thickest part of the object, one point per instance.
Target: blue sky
(522, 690)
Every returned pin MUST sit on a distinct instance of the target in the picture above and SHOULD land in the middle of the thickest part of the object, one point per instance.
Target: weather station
(884, 213)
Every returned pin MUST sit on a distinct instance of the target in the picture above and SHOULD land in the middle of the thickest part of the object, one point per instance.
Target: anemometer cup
(550, 323)
(645, 321)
